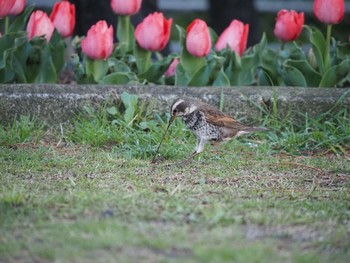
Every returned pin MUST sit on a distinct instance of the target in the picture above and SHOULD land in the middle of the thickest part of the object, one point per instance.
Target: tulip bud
(5, 7)
(289, 25)
(153, 32)
(63, 17)
(126, 7)
(98, 44)
(39, 24)
(235, 36)
(329, 11)
(198, 42)
(18, 7)
(172, 68)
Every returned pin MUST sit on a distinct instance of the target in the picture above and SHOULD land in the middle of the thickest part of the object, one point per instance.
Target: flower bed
(34, 50)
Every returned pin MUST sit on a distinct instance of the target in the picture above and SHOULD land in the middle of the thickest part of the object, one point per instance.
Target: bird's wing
(218, 118)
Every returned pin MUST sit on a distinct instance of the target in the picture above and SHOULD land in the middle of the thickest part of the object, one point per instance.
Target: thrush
(209, 124)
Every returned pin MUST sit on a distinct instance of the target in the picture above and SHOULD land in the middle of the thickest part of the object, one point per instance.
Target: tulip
(18, 7)
(5, 7)
(63, 17)
(172, 68)
(235, 36)
(98, 44)
(329, 11)
(153, 32)
(39, 24)
(289, 25)
(126, 7)
(198, 42)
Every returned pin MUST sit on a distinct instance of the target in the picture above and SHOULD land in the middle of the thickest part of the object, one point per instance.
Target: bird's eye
(174, 112)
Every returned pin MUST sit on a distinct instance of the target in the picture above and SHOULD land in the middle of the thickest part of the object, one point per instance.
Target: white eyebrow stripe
(192, 109)
(176, 104)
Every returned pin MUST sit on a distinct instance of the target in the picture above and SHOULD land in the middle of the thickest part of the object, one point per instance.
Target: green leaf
(190, 63)
(112, 110)
(20, 21)
(319, 46)
(143, 58)
(201, 78)
(342, 50)
(117, 78)
(232, 66)
(206, 75)
(181, 76)
(157, 70)
(130, 104)
(292, 76)
(97, 68)
(116, 65)
(182, 35)
(311, 76)
(125, 34)
(7, 44)
(57, 51)
(39, 67)
(221, 80)
(336, 74)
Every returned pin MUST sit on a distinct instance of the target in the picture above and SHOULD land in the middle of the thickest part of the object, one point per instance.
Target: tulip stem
(123, 33)
(6, 24)
(328, 41)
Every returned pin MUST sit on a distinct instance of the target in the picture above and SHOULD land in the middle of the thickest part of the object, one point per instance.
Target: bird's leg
(199, 149)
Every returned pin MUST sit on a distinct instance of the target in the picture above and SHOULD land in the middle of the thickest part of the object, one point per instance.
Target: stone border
(54, 103)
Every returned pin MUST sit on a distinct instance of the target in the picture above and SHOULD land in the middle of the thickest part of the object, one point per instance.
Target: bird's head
(182, 107)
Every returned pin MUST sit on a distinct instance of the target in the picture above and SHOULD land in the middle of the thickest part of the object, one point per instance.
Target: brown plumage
(208, 123)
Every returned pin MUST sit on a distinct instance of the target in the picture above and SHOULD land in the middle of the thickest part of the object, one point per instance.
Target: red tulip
(5, 7)
(289, 25)
(172, 68)
(98, 44)
(63, 17)
(235, 36)
(198, 42)
(153, 32)
(126, 7)
(39, 24)
(329, 11)
(18, 7)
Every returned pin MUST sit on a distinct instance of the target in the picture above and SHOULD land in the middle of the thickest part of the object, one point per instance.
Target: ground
(236, 203)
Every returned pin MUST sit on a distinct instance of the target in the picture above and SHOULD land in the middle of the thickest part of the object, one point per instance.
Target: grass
(87, 192)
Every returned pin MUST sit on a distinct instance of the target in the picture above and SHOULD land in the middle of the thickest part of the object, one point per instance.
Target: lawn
(70, 195)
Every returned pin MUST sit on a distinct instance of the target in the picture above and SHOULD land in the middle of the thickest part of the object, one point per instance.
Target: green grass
(86, 191)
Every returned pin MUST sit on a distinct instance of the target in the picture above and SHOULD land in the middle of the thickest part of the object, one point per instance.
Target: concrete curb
(55, 103)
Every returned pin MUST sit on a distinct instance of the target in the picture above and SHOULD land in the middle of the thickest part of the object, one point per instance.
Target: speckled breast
(200, 127)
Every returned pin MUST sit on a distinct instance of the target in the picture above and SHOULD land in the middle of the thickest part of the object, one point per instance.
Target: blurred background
(259, 14)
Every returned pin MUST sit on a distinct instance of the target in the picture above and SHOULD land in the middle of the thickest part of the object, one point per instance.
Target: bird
(209, 124)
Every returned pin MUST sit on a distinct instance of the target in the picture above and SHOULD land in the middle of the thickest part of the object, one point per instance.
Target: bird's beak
(172, 118)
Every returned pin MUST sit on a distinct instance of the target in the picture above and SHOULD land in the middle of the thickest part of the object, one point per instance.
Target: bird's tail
(251, 129)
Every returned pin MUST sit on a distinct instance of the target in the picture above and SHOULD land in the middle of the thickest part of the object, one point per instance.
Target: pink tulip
(153, 32)
(39, 24)
(198, 42)
(98, 44)
(18, 7)
(235, 36)
(289, 25)
(172, 68)
(5, 7)
(63, 17)
(329, 11)
(126, 7)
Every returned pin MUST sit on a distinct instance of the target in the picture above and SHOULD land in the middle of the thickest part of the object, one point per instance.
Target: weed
(22, 129)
